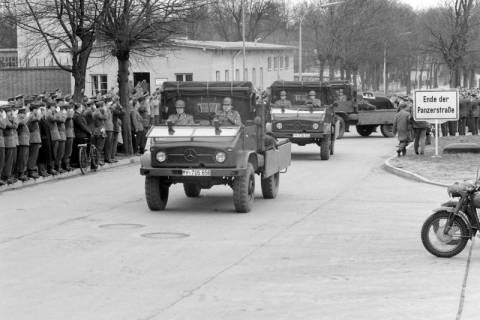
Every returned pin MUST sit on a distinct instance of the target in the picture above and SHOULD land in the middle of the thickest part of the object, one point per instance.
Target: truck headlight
(161, 156)
(279, 125)
(220, 157)
(315, 126)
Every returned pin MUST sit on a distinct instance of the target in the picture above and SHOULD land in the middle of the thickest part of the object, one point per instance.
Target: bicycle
(85, 158)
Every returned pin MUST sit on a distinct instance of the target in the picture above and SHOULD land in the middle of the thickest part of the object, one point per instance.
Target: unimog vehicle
(207, 153)
(352, 112)
(303, 122)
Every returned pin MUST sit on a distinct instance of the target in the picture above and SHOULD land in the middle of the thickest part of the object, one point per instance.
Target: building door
(143, 78)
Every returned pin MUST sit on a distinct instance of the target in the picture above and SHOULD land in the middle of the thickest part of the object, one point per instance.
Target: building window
(269, 63)
(281, 62)
(99, 84)
(184, 77)
(6, 62)
(245, 74)
(286, 62)
(275, 63)
(237, 74)
(254, 77)
(261, 77)
(227, 76)
(217, 76)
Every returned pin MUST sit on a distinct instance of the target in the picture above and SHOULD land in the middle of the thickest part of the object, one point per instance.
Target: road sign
(436, 106)
(431, 105)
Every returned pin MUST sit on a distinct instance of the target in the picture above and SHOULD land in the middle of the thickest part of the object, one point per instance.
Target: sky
(422, 4)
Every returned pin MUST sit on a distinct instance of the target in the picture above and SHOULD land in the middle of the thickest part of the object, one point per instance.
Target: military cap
(22, 110)
(64, 105)
(35, 105)
(20, 96)
(99, 103)
(28, 100)
(10, 99)
(90, 102)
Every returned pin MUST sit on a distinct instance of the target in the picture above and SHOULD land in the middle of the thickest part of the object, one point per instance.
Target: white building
(192, 60)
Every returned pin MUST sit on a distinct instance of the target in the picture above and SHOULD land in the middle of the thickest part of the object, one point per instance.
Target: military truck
(206, 153)
(352, 112)
(303, 122)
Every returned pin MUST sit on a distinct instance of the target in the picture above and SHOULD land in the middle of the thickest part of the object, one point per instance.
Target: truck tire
(270, 186)
(387, 130)
(325, 148)
(365, 131)
(341, 127)
(192, 190)
(156, 193)
(244, 190)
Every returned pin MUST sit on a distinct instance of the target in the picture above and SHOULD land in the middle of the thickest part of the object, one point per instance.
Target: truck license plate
(301, 135)
(197, 172)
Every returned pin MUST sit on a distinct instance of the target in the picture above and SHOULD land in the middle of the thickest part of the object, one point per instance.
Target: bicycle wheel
(82, 160)
(94, 157)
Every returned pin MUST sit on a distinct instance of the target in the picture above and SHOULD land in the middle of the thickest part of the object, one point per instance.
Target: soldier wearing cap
(3, 126)
(137, 127)
(283, 102)
(60, 118)
(99, 132)
(181, 118)
(83, 133)
(117, 112)
(474, 125)
(108, 131)
(465, 110)
(23, 145)
(70, 135)
(227, 116)
(52, 116)
(11, 140)
(35, 140)
(312, 99)
(88, 113)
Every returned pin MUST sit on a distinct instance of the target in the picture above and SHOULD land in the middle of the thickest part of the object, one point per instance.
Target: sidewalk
(66, 175)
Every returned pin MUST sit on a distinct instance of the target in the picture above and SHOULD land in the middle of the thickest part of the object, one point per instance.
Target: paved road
(341, 241)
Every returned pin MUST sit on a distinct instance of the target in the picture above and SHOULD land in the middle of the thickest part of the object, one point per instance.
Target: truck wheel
(387, 130)
(244, 190)
(270, 186)
(156, 193)
(192, 190)
(365, 131)
(341, 127)
(325, 148)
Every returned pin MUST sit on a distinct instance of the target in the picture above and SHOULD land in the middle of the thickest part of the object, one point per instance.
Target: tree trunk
(465, 76)
(408, 81)
(472, 77)
(123, 61)
(454, 75)
(322, 69)
(331, 70)
(348, 74)
(79, 73)
(355, 74)
(435, 75)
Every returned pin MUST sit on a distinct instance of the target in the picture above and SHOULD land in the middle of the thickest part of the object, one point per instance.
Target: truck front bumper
(178, 172)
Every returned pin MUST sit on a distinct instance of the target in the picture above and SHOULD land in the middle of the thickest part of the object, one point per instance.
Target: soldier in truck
(227, 116)
(313, 100)
(181, 118)
(283, 102)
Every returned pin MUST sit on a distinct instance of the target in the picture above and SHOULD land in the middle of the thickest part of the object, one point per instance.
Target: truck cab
(301, 118)
(207, 152)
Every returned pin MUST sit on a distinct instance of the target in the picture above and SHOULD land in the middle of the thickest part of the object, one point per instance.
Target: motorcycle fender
(461, 214)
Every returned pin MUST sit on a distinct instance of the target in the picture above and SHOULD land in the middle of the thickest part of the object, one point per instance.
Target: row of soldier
(469, 115)
(39, 135)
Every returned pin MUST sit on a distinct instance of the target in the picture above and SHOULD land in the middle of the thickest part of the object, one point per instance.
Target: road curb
(408, 174)
(66, 175)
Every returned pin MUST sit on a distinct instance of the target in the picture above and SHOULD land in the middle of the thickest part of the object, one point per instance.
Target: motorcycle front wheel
(439, 243)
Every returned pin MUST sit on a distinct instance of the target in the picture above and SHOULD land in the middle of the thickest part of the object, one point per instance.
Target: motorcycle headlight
(161, 156)
(220, 157)
(279, 125)
(315, 126)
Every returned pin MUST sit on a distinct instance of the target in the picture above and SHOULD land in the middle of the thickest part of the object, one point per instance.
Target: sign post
(436, 106)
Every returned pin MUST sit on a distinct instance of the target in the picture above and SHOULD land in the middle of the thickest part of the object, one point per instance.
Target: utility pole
(385, 68)
(243, 39)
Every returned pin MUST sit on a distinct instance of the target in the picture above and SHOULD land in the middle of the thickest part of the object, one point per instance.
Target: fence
(33, 80)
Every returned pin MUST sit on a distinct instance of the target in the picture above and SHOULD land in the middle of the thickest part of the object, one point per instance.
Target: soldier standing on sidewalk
(23, 144)
(60, 118)
(99, 118)
(10, 139)
(51, 116)
(3, 126)
(35, 140)
(465, 109)
(70, 135)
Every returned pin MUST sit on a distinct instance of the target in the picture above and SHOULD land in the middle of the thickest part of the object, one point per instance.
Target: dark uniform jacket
(228, 118)
(61, 118)
(117, 114)
(137, 121)
(401, 125)
(89, 118)
(34, 128)
(22, 130)
(51, 117)
(10, 132)
(82, 131)
(476, 108)
(70, 133)
(465, 108)
(99, 118)
(45, 154)
(142, 110)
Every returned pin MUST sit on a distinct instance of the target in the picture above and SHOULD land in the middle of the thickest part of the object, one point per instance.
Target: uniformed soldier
(23, 144)
(3, 126)
(35, 139)
(52, 118)
(475, 116)
(70, 135)
(117, 112)
(60, 118)
(465, 110)
(181, 118)
(99, 132)
(10, 139)
(227, 116)
(108, 131)
(313, 100)
(283, 102)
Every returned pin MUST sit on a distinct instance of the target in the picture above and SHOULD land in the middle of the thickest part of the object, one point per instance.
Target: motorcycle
(446, 232)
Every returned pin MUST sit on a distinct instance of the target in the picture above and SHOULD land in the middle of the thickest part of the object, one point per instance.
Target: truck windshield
(296, 99)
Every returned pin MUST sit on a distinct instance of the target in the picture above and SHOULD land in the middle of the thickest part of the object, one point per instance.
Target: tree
(63, 26)
(452, 29)
(141, 27)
